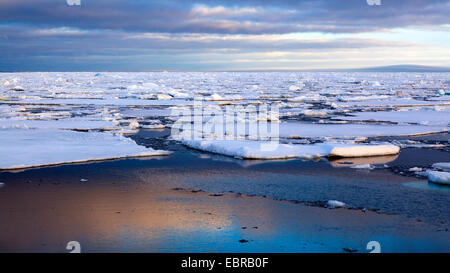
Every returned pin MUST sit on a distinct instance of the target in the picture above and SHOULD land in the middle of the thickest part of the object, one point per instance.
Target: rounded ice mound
(215, 97)
(164, 97)
(18, 88)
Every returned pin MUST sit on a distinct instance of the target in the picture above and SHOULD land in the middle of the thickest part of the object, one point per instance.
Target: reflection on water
(427, 186)
(373, 160)
(130, 206)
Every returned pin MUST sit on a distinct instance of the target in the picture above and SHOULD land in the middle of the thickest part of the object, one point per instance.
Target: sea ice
(164, 97)
(32, 148)
(440, 117)
(444, 166)
(439, 177)
(364, 150)
(325, 107)
(332, 204)
(267, 150)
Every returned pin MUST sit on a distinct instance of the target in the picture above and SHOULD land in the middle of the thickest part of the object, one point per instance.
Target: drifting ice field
(53, 118)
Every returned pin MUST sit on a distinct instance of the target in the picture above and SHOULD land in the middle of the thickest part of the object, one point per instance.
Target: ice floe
(363, 150)
(34, 148)
(439, 177)
(269, 150)
(433, 116)
(444, 166)
(313, 107)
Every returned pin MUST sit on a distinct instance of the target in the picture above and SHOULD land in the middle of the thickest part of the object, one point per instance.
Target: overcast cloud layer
(221, 35)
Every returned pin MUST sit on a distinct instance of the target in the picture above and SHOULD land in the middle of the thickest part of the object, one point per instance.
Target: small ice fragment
(363, 166)
(2, 185)
(439, 177)
(98, 74)
(332, 204)
(444, 166)
(83, 180)
(215, 97)
(133, 125)
(293, 88)
(164, 97)
(18, 88)
(415, 169)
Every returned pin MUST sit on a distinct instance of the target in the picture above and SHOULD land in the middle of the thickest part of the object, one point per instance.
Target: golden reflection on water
(373, 160)
(50, 215)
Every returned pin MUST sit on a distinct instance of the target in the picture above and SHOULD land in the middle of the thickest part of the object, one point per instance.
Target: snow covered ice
(42, 147)
(253, 149)
(52, 118)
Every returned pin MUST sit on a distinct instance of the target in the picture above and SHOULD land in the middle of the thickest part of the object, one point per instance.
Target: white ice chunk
(133, 125)
(332, 204)
(164, 97)
(415, 169)
(295, 88)
(215, 97)
(439, 177)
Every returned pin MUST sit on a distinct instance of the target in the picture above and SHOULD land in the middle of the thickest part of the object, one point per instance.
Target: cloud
(221, 11)
(232, 16)
(200, 34)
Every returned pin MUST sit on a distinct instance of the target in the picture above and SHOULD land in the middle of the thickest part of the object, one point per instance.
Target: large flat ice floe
(307, 130)
(266, 150)
(34, 148)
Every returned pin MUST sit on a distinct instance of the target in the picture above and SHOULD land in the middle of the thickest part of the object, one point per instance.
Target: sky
(210, 35)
